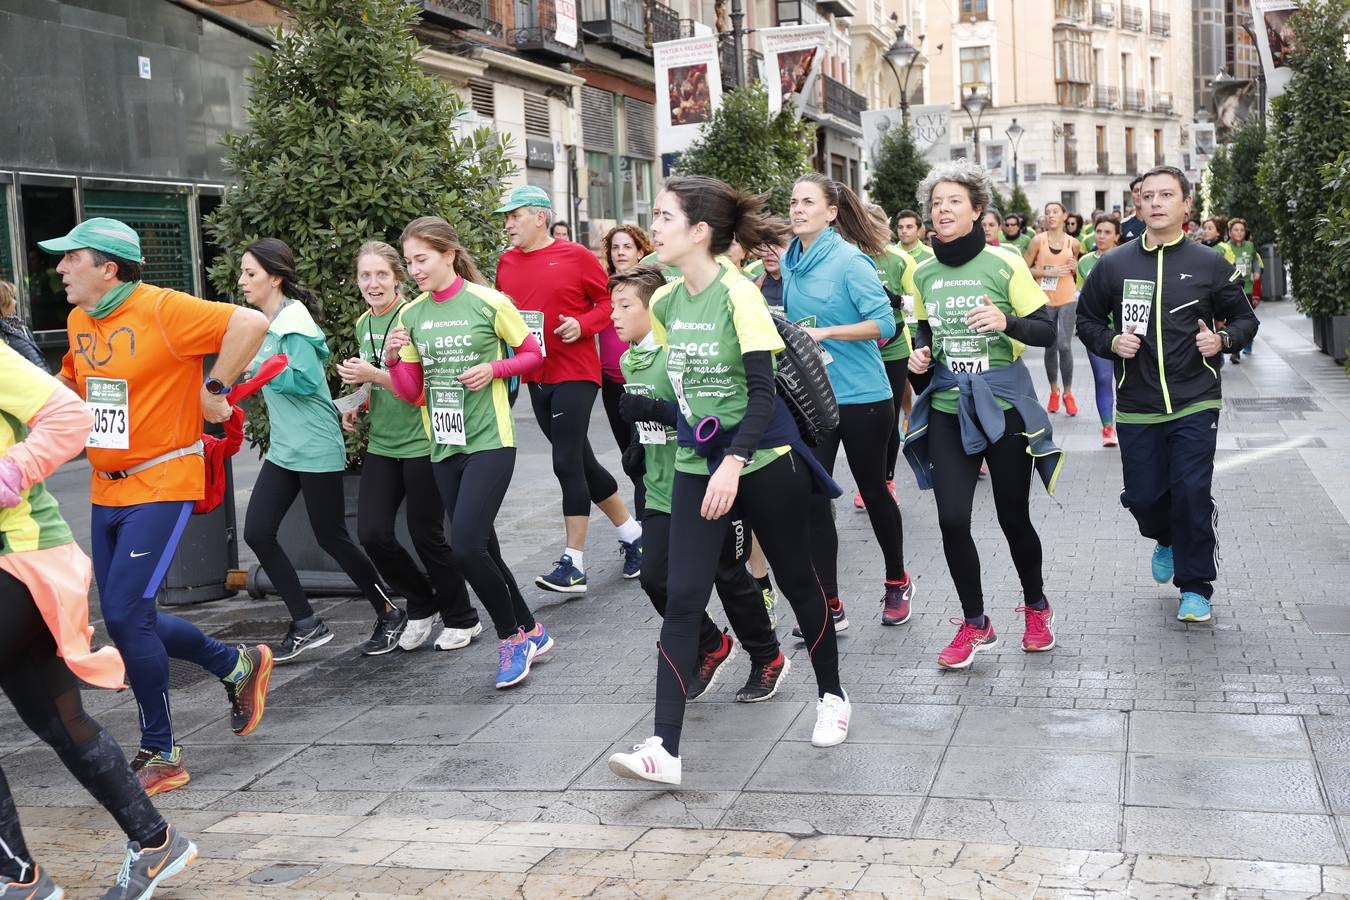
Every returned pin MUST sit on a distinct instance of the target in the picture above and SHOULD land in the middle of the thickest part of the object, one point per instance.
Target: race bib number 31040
(110, 404)
(447, 415)
(1136, 302)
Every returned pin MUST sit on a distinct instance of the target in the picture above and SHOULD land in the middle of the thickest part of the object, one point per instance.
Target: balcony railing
(842, 9)
(535, 33)
(1131, 163)
(1162, 101)
(665, 23)
(621, 24)
(842, 101)
(471, 14)
(1132, 99)
(1160, 23)
(1105, 97)
(1104, 14)
(1132, 18)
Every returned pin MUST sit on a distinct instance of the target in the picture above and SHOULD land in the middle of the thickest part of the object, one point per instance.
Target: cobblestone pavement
(1159, 759)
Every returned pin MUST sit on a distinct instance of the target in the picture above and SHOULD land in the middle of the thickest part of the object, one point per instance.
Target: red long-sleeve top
(561, 279)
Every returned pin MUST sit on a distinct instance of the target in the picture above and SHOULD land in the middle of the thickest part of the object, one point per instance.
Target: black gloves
(634, 459)
(633, 408)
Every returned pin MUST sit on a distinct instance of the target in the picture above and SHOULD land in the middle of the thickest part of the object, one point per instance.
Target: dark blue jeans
(1169, 470)
(133, 546)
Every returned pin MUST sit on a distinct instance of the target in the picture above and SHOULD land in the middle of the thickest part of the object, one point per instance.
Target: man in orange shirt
(136, 358)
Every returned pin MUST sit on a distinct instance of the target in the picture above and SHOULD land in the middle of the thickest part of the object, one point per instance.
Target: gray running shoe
(41, 887)
(143, 870)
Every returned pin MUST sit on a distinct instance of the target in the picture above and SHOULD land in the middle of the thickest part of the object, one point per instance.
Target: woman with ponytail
(832, 288)
(305, 454)
(738, 445)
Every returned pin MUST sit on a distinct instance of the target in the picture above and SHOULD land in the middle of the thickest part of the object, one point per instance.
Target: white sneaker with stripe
(832, 715)
(649, 761)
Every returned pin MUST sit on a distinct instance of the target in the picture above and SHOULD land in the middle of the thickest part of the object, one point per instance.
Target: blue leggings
(133, 547)
(1104, 377)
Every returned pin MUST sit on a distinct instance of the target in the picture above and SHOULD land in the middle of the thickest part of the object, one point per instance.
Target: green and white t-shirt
(708, 333)
(919, 252)
(449, 337)
(396, 428)
(1247, 262)
(896, 268)
(644, 374)
(946, 294)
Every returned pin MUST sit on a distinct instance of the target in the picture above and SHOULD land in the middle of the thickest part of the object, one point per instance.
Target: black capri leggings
(472, 487)
(741, 597)
(864, 429)
(770, 500)
(47, 697)
(273, 493)
(385, 484)
(897, 373)
(563, 412)
(624, 434)
(954, 478)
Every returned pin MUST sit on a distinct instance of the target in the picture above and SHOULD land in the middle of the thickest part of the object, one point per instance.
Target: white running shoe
(416, 633)
(649, 761)
(832, 714)
(457, 638)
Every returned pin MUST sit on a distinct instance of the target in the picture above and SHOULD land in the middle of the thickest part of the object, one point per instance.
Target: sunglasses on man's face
(1010, 222)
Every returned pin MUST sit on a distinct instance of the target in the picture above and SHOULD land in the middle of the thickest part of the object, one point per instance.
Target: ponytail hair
(386, 253)
(441, 236)
(277, 260)
(729, 213)
(853, 222)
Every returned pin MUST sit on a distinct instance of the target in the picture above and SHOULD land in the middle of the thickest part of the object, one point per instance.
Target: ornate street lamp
(1014, 134)
(974, 103)
(903, 55)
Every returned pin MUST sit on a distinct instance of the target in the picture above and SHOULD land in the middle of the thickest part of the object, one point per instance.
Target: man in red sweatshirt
(560, 289)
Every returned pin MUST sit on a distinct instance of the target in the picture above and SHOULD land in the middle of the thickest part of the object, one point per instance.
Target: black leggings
(47, 697)
(563, 412)
(954, 478)
(472, 487)
(741, 597)
(385, 483)
(273, 493)
(897, 373)
(864, 429)
(770, 500)
(624, 434)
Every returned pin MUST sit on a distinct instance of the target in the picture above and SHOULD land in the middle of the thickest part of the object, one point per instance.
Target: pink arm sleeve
(406, 378)
(57, 435)
(527, 359)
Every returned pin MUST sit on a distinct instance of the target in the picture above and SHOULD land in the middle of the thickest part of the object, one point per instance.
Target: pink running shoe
(858, 500)
(969, 640)
(890, 486)
(1040, 632)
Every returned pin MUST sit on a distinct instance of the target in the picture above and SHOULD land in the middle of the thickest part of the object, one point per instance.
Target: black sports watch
(1227, 341)
(215, 386)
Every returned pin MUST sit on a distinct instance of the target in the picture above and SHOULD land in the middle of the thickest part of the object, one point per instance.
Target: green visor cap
(524, 195)
(106, 235)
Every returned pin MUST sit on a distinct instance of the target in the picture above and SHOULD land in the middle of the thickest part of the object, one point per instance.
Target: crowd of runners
(920, 322)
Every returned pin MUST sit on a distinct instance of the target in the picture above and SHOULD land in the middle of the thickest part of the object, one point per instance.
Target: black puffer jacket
(1184, 282)
(20, 339)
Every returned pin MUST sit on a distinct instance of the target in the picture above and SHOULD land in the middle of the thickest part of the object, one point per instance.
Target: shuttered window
(481, 99)
(597, 119)
(162, 222)
(537, 120)
(639, 128)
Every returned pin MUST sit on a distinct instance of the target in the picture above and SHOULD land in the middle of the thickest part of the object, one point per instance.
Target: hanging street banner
(1274, 42)
(793, 55)
(930, 126)
(688, 89)
(565, 22)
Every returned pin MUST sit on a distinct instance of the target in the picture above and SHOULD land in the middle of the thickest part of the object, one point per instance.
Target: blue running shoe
(1162, 564)
(514, 656)
(1193, 608)
(632, 558)
(540, 638)
(565, 578)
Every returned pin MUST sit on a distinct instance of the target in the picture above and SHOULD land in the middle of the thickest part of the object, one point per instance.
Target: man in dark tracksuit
(1151, 305)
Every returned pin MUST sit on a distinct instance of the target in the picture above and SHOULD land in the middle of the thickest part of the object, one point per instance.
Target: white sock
(630, 531)
(578, 558)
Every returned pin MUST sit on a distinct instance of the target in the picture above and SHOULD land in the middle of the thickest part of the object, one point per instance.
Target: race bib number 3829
(1136, 302)
(110, 404)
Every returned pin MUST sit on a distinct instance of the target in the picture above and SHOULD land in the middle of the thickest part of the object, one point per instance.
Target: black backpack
(803, 382)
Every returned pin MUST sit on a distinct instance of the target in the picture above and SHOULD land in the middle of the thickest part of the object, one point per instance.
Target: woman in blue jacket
(831, 287)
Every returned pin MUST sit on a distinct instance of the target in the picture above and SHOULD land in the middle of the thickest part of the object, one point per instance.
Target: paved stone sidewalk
(325, 856)
(1138, 735)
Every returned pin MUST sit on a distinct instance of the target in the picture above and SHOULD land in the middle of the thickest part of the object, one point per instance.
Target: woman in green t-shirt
(978, 307)
(1248, 264)
(397, 467)
(735, 448)
(1105, 235)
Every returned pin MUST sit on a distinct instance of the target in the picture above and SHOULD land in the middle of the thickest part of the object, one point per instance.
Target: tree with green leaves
(1306, 132)
(751, 150)
(897, 170)
(1217, 178)
(1018, 203)
(350, 140)
(1244, 192)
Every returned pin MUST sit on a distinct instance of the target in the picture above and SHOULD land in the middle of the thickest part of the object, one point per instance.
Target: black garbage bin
(208, 549)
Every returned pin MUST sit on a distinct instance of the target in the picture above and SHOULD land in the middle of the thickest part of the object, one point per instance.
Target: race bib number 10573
(110, 404)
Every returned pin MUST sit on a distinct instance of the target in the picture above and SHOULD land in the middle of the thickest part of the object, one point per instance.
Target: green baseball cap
(106, 235)
(524, 195)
